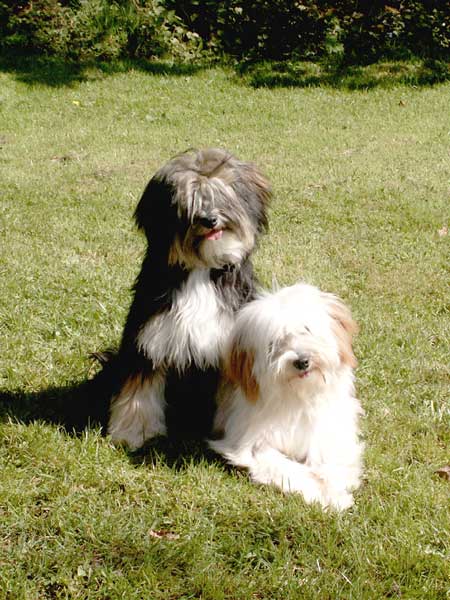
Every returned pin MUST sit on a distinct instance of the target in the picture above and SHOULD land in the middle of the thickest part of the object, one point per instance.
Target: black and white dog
(202, 214)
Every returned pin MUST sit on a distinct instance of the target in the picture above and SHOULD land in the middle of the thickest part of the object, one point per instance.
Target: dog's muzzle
(208, 226)
(302, 364)
(208, 222)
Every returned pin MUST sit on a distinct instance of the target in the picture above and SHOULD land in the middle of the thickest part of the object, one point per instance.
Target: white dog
(288, 412)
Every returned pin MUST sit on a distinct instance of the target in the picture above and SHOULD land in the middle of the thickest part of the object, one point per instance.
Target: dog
(287, 411)
(202, 214)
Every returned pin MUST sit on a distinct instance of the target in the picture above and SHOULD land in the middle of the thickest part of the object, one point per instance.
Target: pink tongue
(215, 234)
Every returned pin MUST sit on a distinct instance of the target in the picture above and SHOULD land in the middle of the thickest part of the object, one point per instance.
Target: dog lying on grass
(288, 412)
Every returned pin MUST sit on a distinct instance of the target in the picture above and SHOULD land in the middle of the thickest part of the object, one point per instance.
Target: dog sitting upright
(202, 214)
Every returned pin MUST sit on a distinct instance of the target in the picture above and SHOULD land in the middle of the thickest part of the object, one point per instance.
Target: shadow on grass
(415, 72)
(57, 72)
(176, 454)
(75, 407)
(80, 406)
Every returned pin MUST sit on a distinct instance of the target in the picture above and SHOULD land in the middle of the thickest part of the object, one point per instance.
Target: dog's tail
(104, 357)
(91, 407)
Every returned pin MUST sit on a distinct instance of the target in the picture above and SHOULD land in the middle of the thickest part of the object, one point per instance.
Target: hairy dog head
(298, 336)
(204, 208)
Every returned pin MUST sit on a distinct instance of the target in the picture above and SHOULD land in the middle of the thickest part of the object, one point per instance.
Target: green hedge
(348, 30)
(397, 29)
(83, 29)
(356, 30)
(259, 29)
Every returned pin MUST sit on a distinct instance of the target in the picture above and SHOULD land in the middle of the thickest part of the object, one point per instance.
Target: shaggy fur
(288, 412)
(202, 214)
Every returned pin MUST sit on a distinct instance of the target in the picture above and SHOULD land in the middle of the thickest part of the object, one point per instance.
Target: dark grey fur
(173, 220)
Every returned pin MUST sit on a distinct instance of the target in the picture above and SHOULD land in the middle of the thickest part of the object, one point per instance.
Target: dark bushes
(395, 29)
(83, 29)
(350, 29)
(250, 30)
(258, 29)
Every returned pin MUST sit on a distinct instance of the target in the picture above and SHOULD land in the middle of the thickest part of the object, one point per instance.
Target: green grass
(386, 73)
(361, 181)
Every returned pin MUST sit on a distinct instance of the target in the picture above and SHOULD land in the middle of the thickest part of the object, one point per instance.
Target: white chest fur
(193, 331)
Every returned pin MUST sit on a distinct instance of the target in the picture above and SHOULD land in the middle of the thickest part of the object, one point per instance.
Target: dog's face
(204, 209)
(296, 337)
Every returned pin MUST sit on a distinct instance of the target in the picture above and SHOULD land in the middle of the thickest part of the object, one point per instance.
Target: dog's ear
(344, 328)
(155, 212)
(239, 369)
(255, 189)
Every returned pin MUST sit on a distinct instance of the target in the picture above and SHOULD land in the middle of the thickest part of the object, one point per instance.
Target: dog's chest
(192, 331)
(290, 433)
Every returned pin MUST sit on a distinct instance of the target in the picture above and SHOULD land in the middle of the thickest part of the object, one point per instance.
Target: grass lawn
(361, 208)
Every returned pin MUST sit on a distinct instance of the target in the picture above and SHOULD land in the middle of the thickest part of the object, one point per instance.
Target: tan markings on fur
(240, 370)
(175, 252)
(133, 383)
(177, 256)
(344, 328)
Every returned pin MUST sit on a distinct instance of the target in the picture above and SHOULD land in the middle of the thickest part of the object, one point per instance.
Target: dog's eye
(308, 330)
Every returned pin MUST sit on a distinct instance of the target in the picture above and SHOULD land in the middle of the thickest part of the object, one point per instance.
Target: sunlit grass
(361, 182)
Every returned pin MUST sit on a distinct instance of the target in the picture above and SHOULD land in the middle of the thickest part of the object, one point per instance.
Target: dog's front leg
(270, 466)
(337, 482)
(137, 411)
(335, 457)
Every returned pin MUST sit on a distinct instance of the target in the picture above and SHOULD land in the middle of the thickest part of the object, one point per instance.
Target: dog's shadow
(70, 406)
(80, 406)
(176, 453)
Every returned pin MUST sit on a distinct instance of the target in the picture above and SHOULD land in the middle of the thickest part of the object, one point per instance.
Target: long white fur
(137, 413)
(193, 331)
(300, 433)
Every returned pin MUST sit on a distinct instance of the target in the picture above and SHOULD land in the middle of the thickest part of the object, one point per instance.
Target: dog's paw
(134, 438)
(340, 501)
(306, 485)
(127, 440)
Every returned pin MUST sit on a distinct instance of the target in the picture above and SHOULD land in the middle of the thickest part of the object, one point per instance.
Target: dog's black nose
(301, 363)
(207, 222)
